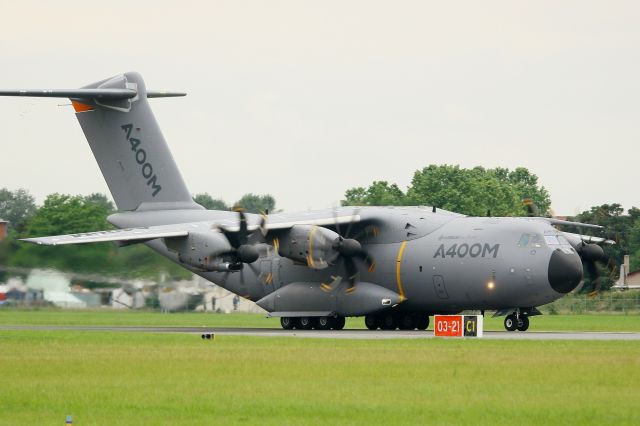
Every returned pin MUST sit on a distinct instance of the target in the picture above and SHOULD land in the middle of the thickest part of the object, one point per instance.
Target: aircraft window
(536, 241)
(524, 240)
(551, 240)
(563, 240)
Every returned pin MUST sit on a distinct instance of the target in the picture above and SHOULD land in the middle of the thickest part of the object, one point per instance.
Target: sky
(305, 99)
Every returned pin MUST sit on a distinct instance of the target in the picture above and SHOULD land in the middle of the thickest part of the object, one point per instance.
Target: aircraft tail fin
(126, 141)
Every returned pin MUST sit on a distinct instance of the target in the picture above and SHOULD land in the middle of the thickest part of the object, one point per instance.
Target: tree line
(474, 191)
(70, 214)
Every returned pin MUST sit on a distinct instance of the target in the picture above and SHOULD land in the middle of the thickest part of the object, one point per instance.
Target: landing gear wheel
(422, 322)
(372, 322)
(287, 323)
(406, 322)
(338, 323)
(510, 323)
(388, 322)
(323, 323)
(523, 324)
(305, 323)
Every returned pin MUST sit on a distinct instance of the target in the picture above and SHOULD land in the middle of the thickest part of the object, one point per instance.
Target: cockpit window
(524, 240)
(530, 240)
(536, 241)
(551, 240)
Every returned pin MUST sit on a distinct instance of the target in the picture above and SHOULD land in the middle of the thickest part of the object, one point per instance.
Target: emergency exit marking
(458, 325)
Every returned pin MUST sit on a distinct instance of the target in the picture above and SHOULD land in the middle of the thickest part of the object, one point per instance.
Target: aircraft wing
(575, 239)
(123, 235)
(142, 234)
(570, 223)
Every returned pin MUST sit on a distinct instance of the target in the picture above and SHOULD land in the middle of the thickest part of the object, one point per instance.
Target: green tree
(253, 203)
(210, 203)
(64, 214)
(101, 200)
(633, 246)
(526, 186)
(67, 214)
(379, 193)
(476, 191)
(617, 227)
(16, 206)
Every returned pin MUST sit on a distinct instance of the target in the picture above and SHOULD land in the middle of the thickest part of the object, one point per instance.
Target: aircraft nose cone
(565, 271)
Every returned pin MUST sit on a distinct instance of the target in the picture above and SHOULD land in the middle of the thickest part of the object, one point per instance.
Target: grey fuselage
(439, 262)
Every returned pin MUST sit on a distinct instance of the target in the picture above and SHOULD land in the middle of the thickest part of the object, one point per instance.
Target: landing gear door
(438, 285)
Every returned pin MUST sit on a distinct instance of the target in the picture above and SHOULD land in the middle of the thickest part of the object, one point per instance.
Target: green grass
(139, 378)
(589, 322)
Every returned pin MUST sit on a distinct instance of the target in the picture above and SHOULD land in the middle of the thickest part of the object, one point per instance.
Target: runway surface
(342, 334)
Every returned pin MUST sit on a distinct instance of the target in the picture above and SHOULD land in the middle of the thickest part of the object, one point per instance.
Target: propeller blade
(254, 269)
(242, 233)
(331, 286)
(351, 269)
(263, 223)
(353, 218)
(368, 260)
(592, 271)
(532, 209)
(335, 219)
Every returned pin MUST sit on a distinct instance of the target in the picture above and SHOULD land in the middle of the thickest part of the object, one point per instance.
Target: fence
(626, 302)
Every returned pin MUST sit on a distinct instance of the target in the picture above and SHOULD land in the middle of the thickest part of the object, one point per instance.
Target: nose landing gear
(516, 321)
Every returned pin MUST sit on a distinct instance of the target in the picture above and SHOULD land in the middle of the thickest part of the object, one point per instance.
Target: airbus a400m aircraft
(395, 266)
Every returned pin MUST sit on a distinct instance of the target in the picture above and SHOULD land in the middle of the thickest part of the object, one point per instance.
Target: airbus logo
(141, 158)
(464, 250)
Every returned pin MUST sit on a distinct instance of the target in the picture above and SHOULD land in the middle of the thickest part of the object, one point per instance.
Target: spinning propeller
(350, 252)
(589, 252)
(241, 252)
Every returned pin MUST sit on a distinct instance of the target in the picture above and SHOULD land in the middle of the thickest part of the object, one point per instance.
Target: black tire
(338, 323)
(372, 322)
(388, 322)
(510, 323)
(523, 325)
(305, 323)
(422, 321)
(323, 323)
(406, 322)
(287, 323)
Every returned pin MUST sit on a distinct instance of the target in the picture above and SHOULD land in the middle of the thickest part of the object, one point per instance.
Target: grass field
(140, 378)
(589, 322)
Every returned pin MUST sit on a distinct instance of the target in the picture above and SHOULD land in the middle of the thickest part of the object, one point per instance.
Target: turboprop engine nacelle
(308, 244)
(204, 250)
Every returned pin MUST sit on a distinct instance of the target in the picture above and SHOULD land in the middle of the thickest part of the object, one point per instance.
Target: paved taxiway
(342, 334)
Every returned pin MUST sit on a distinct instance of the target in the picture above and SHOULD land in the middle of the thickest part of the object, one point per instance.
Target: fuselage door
(438, 285)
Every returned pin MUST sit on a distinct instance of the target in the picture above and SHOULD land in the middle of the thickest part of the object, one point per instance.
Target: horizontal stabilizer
(104, 94)
(121, 235)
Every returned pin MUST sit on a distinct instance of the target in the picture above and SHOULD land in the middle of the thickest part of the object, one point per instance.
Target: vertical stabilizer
(129, 147)
(126, 141)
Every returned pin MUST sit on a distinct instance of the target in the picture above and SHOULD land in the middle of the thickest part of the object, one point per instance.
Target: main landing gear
(516, 321)
(312, 323)
(395, 320)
